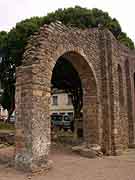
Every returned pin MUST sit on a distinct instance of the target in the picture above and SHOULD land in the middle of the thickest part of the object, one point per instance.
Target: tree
(76, 17)
(3, 40)
(124, 39)
(13, 43)
(11, 49)
(18, 37)
(7, 77)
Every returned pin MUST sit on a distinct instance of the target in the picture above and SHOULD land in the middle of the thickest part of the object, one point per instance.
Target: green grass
(6, 126)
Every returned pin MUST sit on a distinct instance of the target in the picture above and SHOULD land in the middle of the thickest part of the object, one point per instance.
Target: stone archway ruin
(89, 86)
(92, 52)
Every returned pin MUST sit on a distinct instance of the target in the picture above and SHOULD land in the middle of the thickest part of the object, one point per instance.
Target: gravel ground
(69, 166)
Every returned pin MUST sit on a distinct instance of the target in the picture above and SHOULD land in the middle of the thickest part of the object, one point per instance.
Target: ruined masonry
(107, 72)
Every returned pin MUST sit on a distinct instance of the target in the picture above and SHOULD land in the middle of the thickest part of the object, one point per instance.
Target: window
(69, 100)
(55, 100)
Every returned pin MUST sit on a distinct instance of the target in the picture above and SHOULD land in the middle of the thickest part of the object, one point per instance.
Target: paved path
(68, 166)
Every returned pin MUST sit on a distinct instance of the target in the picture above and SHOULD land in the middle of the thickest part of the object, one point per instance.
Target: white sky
(12, 11)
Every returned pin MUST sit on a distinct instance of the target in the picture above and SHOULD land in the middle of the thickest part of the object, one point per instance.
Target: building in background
(61, 103)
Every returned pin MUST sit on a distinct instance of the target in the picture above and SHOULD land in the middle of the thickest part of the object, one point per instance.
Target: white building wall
(63, 105)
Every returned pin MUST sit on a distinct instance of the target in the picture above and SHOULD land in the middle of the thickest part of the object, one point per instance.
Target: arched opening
(67, 98)
(129, 103)
(122, 118)
(73, 75)
(33, 105)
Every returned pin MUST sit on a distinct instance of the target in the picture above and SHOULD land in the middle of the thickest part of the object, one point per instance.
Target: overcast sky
(12, 11)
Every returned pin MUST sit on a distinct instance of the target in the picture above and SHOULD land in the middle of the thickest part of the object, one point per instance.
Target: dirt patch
(69, 166)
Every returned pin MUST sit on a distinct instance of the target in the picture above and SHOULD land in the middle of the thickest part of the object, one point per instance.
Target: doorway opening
(73, 108)
(67, 101)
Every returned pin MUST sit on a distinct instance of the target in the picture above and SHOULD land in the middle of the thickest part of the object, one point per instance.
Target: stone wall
(100, 62)
(126, 65)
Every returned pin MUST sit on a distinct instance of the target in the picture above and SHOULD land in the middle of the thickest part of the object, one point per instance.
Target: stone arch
(129, 103)
(33, 92)
(90, 94)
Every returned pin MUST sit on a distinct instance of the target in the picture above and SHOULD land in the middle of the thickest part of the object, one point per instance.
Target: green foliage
(5, 126)
(124, 39)
(3, 39)
(18, 36)
(13, 45)
(114, 27)
(88, 18)
(7, 78)
(76, 17)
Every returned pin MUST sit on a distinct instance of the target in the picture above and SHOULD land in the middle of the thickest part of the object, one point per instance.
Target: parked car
(61, 121)
(66, 122)
(56, 121)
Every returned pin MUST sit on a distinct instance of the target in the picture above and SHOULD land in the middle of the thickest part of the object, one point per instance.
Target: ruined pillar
(32, 122)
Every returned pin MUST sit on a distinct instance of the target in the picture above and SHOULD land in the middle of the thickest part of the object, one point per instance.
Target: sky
(13, 11)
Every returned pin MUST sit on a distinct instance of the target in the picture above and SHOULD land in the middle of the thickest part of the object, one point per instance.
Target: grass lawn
(6, 126)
